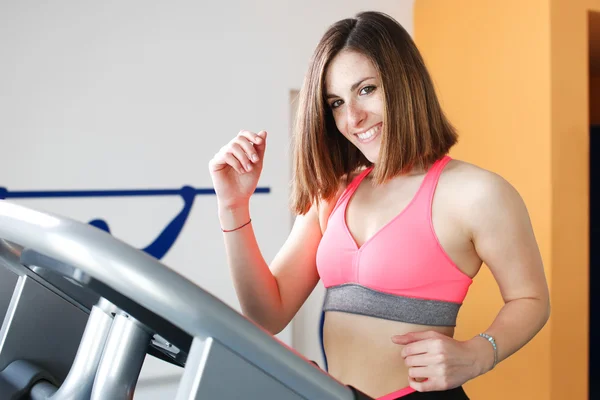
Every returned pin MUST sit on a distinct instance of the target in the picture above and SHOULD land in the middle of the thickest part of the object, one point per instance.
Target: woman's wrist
(484, 354)
(232, 218)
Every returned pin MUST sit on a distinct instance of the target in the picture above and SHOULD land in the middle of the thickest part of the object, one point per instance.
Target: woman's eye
(336, 104)
(367, 89)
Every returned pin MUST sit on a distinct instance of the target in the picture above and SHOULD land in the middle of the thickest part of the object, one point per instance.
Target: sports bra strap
(433, 176)
(351, 188)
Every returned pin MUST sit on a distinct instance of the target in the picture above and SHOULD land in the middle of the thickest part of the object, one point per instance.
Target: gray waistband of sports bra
(358, 299)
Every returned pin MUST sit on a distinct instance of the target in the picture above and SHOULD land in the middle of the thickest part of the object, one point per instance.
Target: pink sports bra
(401, 273)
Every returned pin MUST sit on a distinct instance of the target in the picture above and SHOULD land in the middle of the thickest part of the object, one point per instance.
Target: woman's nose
(355, 114)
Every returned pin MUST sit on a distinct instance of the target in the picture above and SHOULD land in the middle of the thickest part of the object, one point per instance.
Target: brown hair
(415, 130)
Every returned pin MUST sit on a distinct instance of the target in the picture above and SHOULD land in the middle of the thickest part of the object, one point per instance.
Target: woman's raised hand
(236, 168)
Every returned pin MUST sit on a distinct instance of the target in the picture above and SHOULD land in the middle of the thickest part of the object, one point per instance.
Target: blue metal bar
(35, 194)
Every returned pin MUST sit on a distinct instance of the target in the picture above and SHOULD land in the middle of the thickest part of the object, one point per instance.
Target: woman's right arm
(270, 295)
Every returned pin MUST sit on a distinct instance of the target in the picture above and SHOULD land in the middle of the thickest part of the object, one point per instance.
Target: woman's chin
(371, 153)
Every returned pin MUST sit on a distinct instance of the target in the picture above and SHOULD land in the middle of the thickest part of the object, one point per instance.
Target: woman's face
(354, 93)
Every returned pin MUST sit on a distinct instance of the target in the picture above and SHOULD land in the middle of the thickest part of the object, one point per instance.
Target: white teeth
(368, 134)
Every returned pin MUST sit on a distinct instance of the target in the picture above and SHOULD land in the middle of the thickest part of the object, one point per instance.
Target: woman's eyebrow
(353, 88)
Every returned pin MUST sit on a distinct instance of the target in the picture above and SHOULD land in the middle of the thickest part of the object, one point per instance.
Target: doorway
(594, 156)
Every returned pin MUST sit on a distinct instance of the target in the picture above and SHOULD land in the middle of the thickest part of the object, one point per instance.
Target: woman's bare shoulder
(478, 191)
(459, 173)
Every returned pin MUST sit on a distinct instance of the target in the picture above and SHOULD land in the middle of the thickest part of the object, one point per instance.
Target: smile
(369, 135)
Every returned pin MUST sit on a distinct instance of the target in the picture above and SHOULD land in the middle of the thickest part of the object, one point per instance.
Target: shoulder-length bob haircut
(415, 130)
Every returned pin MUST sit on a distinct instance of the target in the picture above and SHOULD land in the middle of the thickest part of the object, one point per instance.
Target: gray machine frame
(230, 357)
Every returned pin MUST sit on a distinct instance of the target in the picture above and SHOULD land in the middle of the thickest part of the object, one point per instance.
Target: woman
(393, 226)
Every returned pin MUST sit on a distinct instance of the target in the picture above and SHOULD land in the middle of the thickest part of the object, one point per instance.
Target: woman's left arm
(503, 237)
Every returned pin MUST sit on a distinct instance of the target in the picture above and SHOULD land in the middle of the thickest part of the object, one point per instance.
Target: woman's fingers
(241, 153)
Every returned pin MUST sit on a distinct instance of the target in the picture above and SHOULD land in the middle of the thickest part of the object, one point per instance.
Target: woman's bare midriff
(360, 351)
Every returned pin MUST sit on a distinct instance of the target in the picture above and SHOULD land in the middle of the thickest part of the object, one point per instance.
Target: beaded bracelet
(235, 229)
(493, 342)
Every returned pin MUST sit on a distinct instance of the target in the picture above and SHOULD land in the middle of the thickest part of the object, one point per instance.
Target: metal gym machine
(81, 309)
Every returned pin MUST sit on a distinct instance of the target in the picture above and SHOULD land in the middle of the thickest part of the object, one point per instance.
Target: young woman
(393, 226)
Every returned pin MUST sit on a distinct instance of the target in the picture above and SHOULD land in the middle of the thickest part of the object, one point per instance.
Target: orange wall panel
(490, 63)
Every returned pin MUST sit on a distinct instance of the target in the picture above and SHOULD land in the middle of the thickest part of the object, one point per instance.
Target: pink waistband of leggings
(399, 393)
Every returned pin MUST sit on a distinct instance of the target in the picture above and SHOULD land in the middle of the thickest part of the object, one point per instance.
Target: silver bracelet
(493, 342)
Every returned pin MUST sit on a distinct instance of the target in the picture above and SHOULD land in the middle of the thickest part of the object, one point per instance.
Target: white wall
(140, 94)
